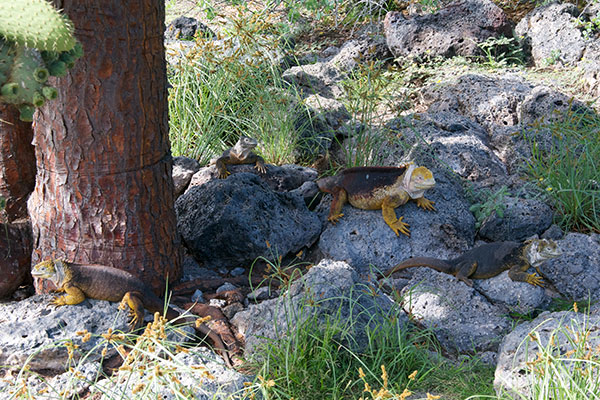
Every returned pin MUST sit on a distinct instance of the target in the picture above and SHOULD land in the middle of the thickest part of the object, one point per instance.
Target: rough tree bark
(104, 192)
(17, 163)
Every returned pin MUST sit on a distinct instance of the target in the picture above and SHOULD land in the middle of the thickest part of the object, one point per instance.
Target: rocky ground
(465, 128)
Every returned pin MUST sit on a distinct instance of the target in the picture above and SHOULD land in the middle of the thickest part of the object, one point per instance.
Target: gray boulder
(330, 289)
(456, 141)
(183, 170)
(520, 297)
(560, 331)
(590, 64)
(503, 106)
(32, 327)
(370, 46)
(279, 178)
(324, 76)
(364, 240)
(462, 319)
(233, 221)
(522, 219)
(334, 112)
(455, 30)
(576, 274)
(321, 77)
(185, 28)
(552, 34)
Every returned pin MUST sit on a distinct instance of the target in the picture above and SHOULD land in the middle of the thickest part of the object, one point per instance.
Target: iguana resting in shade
(490, 259)
(101, 282)
(241, 153)
(374, 188)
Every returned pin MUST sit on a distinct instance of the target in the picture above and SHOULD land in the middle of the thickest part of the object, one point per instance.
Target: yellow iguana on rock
(490, 259)
(241, 153)
(100, 282)
(374, 188)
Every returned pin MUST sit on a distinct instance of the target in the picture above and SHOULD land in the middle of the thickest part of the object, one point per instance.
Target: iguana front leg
(389, 215)
(339, 199)
(425, 204)
(260, 165)
(222, 168)
(518, 274)
(133, 300)
(73, 295)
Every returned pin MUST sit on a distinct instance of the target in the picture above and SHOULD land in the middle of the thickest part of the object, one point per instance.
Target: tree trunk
(104, 191)
(17, 163)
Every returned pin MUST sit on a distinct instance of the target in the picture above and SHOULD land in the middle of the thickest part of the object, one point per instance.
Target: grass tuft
(565, 163)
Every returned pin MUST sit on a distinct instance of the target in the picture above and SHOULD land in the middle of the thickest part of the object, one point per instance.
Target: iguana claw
(224, 174)
(425, 204)
(58, 301)
(535, 280)
(334, 218)
(260, 167)
(400, 226)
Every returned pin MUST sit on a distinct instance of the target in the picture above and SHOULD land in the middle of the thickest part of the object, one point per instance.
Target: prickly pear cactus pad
(36, 41)
(36, 24)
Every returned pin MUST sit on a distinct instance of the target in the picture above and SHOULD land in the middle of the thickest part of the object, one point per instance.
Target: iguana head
(417, 180)
(49, 269)
(244, 146)
(539, 250)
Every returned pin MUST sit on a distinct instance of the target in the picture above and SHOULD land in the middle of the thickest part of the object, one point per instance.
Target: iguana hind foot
(335, 218)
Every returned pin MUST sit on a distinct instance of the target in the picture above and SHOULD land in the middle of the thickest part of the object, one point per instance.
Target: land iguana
(374, 188)
(100, 282)
(490, 259)
(240, 153)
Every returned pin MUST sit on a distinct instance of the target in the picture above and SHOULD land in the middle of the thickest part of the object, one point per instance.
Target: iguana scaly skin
(100, 282)
(241, 153)
(491, 259)
(374, 188)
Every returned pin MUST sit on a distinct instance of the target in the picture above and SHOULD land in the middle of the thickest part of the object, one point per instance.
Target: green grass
(564, 365)
(317, 358)
(565, 163)
(225, 89)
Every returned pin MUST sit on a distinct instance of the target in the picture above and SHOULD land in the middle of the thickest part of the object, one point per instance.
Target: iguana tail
(435, 263)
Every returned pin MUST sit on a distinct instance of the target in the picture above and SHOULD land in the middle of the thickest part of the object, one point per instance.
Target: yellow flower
(432, 397)
(413, 375)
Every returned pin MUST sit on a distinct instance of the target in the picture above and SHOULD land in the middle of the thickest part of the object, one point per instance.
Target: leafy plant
(502, 51)
(489, 203)
(553, 58)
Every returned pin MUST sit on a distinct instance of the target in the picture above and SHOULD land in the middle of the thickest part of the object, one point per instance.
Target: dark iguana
(374, 188)
(490, 259)
(100, 282)
(241, 153)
